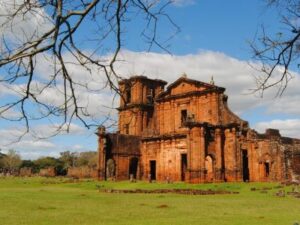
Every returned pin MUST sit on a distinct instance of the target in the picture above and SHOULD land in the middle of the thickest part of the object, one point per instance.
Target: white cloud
(47, 130)
(181, 3)
(30, 147)
(25, 24)
(289, 127)
(233, 74)
(37, 145)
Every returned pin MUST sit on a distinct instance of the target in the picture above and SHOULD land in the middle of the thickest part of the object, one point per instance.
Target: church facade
(186, 132)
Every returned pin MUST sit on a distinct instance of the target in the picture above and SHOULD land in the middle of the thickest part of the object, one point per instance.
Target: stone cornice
(144, 78)
(136, 105)
(164, 137)
(162, 98)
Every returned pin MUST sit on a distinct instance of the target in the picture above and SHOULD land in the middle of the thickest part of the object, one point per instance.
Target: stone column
(235, 155)
(218, 147)
(230, 155)
(139, 122)
(202, 154)
(101, 165)
(196, 155)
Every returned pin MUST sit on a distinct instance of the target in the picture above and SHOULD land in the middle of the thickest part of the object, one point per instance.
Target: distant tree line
(11, 162)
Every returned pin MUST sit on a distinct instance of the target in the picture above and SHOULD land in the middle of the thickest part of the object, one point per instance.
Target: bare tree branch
(279, 53)
(56, 38)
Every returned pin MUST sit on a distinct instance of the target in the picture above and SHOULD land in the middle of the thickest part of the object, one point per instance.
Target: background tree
(46, 162)
(69, 159)
(1, 160)
(87, 159)
(279, 52)
(11, 161)
(30, 164)
(57, 32)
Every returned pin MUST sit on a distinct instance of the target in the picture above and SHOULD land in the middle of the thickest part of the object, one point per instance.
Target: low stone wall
(82, 172)
(25, 172)
(48, 172)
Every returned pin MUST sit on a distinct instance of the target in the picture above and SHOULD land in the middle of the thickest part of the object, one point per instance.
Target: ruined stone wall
(203, 108)
(48, 172)
(296, 163)
(167, 154)
(25, 172)
(190, 124)
(198, 108)
(121, 149)
(82, 172)
(266, 161)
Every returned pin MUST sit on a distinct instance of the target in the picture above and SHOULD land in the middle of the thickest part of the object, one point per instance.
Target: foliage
(11, 162)
(1, 156)
(78, 159)
(68, 158)
(45, 162)
(87, 159)
(30, 164)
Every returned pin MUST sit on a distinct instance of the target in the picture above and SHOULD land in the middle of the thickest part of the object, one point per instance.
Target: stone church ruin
(186, 132)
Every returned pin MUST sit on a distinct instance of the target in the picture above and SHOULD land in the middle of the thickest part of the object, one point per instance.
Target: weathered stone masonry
(186, 132)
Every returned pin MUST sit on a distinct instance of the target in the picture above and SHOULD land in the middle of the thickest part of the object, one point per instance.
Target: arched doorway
(133, 167)
(110, 169)
(209, 168)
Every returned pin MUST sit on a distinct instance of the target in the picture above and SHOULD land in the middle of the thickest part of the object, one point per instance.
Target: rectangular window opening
(183, 117)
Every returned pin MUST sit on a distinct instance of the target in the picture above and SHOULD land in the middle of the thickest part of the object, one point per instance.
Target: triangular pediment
(185, 85)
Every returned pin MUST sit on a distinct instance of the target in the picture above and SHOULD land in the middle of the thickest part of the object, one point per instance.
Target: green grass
(58, 201)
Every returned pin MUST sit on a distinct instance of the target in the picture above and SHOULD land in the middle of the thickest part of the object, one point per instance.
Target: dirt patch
(162, 206)
(168, 191)
(46, 208)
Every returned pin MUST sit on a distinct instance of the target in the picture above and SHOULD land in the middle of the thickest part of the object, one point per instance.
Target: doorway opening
(153, 169)
(183, 166)
(209, 168)
(133, 167)
(267, 169)
(245, 165)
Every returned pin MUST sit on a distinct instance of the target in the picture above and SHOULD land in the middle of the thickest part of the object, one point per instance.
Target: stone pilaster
(101, 166)
(196, 155)
(218, 147)
(231, 170)
(202, 154)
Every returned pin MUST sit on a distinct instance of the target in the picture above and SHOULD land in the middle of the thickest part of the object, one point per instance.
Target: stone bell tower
(137, 104)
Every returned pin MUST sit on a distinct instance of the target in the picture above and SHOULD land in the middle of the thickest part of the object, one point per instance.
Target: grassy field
(60, 201)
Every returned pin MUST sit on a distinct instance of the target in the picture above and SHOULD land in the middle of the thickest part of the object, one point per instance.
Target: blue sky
(214, 41)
